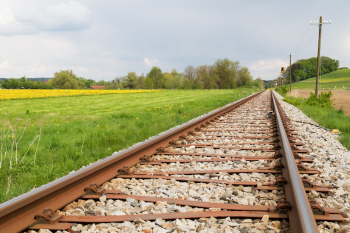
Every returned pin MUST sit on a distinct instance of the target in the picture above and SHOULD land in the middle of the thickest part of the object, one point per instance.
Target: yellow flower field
(6, 94)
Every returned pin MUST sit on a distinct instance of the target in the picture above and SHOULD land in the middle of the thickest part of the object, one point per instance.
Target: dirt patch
(340, 98)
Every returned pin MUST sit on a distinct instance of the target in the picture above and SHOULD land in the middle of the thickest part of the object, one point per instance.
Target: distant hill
(41, 79)
(331, 80)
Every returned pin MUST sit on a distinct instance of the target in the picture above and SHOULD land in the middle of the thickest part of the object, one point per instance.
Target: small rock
(178, 223)
(265, 218)
(261, 226)
(138, 220)
(277, 224)
(134, 204)
(167, 224)
(247, 189)
(161, 203)
(247, 221)
(159, 221)
(103, 198)
(118, 212)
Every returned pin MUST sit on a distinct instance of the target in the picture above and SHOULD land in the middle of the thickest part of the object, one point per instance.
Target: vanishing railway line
(241, 167)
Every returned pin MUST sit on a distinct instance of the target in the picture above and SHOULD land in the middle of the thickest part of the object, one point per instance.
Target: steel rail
(18, 214)
(301, 217)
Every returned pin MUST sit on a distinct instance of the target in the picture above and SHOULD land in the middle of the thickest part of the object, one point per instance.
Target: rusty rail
(301, 217)
(18, 214)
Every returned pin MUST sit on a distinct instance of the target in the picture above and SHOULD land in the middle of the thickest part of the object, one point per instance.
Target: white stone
(116, 213)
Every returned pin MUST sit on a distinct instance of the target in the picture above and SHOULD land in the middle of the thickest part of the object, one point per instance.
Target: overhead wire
(308, 42)
(307, 29)
(339, 8)
(326, 6)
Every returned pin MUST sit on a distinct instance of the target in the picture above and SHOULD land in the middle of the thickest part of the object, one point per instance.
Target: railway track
(241, 168)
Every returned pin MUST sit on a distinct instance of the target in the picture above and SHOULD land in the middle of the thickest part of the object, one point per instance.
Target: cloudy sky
(108, 38)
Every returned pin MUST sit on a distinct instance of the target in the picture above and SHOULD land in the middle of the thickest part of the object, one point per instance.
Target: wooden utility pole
(318, 55)
(319, 49)
(290, 71)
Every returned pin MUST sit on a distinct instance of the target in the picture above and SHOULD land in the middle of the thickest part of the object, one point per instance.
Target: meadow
(44, 139)
(331, 80)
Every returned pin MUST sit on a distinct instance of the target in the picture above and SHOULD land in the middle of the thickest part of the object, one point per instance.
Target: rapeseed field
(10, 94)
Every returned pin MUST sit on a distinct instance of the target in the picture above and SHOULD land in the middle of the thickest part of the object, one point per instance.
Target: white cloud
(62, 17)
(150, 62)
(6, 16)
(268, 64)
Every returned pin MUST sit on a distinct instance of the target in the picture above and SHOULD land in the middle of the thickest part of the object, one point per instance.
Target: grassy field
(338, 78)
(44, 139)
(326, 117)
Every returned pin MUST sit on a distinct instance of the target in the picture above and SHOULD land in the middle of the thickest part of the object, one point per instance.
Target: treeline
(23, 83)
(223, 74)
(307, 68)
(65, 79)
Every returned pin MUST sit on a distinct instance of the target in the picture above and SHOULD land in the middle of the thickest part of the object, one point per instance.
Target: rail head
(300, 216)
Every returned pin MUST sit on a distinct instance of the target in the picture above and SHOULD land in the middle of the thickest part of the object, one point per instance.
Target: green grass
(338, 78)
(326, 117)
(76, 131)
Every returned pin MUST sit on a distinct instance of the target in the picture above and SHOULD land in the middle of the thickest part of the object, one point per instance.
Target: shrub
(324, 100)
(282, 90)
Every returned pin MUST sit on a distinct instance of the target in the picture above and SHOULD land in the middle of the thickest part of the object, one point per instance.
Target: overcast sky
(108, 38)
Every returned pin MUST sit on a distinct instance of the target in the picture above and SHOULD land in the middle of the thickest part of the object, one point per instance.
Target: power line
(307, 29)
(326, 6)
(339, 8)
(308, 42)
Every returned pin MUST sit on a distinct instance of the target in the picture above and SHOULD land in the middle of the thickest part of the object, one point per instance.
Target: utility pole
(319, 49)
(290, 71)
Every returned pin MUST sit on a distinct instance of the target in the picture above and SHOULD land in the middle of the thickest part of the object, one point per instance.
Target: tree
(244, 78)
(187, 84)
(169, 82)
(131, 80)
(140, 80)
(174, 73)
(190, 74)
(66, 79)
(203, 78)
(298, 75)
(177, 82)
(10, 83)
(148, 83)
(309, 67)
(226, 72)
(101, 83)
(157, 77)
(260, 83)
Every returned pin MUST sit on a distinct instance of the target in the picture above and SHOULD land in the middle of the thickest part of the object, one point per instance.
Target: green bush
(324, 100)
(282, 90)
